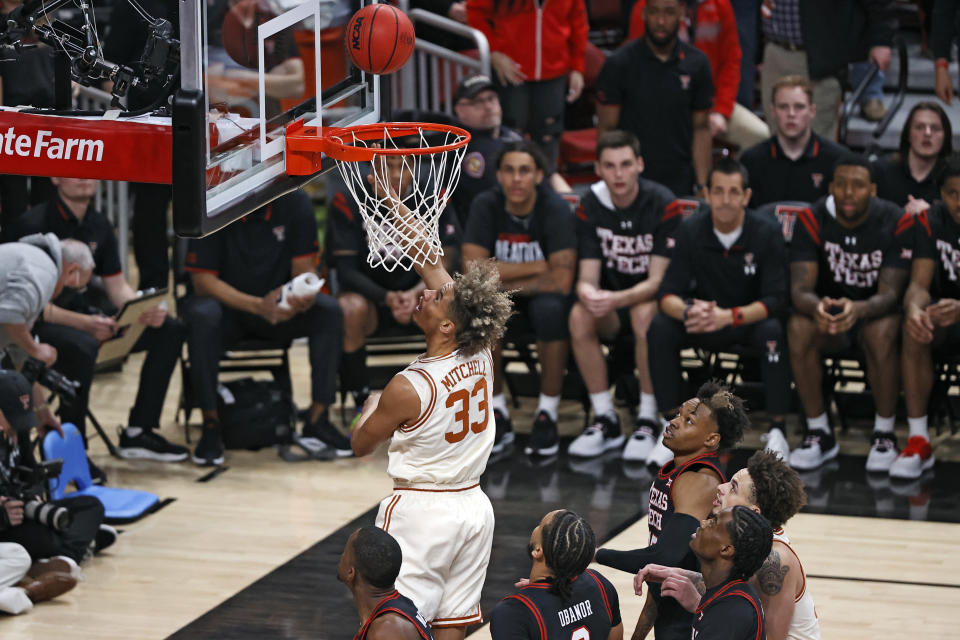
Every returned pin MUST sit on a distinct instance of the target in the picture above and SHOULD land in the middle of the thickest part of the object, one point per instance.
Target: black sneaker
(97, 475)
(505, 435)
(604, 434)
(106, 536)
(322, 434)
(147, 444)
(543, 439)
(209, 451)
(818, 447)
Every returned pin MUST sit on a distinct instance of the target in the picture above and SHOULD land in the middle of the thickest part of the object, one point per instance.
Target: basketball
(239, 34)
(379, 38)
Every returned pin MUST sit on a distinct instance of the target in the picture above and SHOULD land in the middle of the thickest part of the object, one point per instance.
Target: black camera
(22, 488)
(36, 371)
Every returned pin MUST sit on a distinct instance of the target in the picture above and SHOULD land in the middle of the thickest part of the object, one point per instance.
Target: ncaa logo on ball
(355, 36)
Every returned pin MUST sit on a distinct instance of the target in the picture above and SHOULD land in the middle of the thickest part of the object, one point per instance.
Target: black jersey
(774, 177)
(401, 606)
(624, 239)
(938, 238)
(533, 613)
(673, 621)
(478, 171)
(849, 260)
(752, 269)
(730, 611)
(547, 229)
(895, 182)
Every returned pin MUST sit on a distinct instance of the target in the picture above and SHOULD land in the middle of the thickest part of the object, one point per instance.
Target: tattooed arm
(890, 286)
(803, 282)
(779, 582)
(646, 620)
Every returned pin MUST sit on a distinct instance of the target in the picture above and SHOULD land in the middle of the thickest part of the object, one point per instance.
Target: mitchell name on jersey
(463, 371)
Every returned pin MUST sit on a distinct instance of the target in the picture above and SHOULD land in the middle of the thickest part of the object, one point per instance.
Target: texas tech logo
(773, 352)
(685, 82)
(25, 401)
(749, 266)
(817, 179)
(280, 232)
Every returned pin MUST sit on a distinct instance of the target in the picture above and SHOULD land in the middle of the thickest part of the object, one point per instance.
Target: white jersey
(804, 625)
(450, 441)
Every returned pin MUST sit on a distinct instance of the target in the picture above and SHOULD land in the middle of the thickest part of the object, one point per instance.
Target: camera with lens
(22, 486)
(36, 371)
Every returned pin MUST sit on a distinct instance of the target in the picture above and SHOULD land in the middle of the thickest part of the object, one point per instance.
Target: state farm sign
(129, 150)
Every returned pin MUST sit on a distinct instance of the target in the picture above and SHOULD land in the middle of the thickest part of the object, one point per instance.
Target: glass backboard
(249, 68)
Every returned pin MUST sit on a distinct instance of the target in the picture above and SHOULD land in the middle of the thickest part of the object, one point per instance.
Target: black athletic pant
(40, 541)
(212, 326)
(667, 337)
(150, 244)
(536, 108)
(77, 356)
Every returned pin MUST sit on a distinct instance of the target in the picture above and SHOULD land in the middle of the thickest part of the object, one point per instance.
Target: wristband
(941, 63)
(737, 317)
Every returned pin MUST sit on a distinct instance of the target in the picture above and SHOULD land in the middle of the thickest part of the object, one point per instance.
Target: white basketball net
(402, 227)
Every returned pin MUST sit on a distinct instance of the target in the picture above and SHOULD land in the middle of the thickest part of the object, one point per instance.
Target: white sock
(819, 423)
(602, 404)
(918, 427)
(500, 403)
(550, 404)
(883, 424)
(648, 406)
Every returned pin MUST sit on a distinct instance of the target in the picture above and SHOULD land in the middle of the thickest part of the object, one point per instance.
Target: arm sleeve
(203, 254)
(511, 621)
(680, 272)
(18, 296)
(665, 235)
(579, 28)
(944, 27)
(727, 73)
(805, 246)
(703, 90)
(303, 222)
(588, 244)
(773, 286)
(669, 550)
(609, 89)
(480, 224)
(730, 618)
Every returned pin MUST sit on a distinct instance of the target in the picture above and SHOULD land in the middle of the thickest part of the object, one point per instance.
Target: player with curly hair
(437, 416)
(681, 496)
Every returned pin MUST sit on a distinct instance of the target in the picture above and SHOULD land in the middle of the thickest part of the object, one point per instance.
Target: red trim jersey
(533, 613)
(399, 605)
(730, 611)
(938, 239)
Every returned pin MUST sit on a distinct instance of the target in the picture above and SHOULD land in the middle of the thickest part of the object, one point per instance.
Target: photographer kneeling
(67, 528)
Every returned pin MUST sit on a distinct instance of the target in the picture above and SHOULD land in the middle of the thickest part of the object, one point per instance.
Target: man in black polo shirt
(795, 164)
(236, 275)
(726, 285)
(931, 315)
(529, 229)
(849, 264)
(373, 298)
(660, 89)
(77, 321)
(626, 227)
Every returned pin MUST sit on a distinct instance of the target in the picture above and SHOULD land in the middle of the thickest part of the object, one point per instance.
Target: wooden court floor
(871, 578)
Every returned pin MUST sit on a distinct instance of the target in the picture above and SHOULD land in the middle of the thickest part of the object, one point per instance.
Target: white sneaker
(915, 458)
(660, 455)
(818, 447)
(883, 451)
(641, 441)
(777, 443)
(604, 434)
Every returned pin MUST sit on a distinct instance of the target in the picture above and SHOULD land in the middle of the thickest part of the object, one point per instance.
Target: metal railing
(429, 80)
(853, 100)
(113, 197)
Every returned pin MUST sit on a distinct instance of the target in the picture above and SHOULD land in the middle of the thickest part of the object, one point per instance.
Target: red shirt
(716, 35)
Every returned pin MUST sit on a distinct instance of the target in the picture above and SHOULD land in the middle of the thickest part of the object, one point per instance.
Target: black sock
(353, 370)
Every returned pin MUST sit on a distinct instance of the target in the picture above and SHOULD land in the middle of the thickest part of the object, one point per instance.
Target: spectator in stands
(945, 27)
(726, 285)
(796, 163)
(124, 45)
(909, 177)
(23, 584)
(537, 53)
(477, 106)
(931, 315)
(711, 27)
(236, 275)
(626, 228)
(871, 100)
(372, 298)
(659, 89)
(529, 230)
(25, 80)
(747, 13)
(849, 264)
(77, 322)
(83, 532)
(818, 39)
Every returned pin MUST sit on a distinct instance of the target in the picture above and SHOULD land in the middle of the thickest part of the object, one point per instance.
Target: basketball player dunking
(681, 496)
(437, 415)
